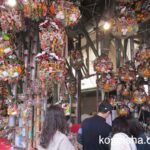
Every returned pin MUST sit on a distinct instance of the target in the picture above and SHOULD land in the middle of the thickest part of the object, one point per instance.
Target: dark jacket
(92, 129)
(146, 143)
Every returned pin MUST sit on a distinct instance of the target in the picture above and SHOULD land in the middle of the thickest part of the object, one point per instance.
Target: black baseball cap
(105, 107)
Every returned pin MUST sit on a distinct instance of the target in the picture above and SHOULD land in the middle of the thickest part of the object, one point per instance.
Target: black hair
(135, 127)
(54, 121)
(120, 124)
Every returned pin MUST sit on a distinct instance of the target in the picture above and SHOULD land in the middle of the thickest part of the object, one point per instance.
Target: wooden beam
(89, 40)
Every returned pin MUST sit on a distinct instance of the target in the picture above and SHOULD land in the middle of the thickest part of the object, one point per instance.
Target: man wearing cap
(94, 128)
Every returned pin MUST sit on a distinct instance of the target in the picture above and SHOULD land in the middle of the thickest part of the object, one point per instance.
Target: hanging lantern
(127, 72)
(35, 10)
(103, 65)
(139, 96)
(65, 12)
(11, 19)
(52, 37)
(107, 82)
(76, 59)
(144, 69)
(123, 110)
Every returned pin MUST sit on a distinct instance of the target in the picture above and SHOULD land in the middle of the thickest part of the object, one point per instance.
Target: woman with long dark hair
(121, 138)
(137, 130)
(53, 133)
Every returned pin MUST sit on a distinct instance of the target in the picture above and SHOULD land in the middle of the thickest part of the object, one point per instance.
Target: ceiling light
(106, 26)
(11, 3)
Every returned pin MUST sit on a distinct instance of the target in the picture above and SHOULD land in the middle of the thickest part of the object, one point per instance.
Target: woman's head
(54, 121)
(120, 124)
(136, 128)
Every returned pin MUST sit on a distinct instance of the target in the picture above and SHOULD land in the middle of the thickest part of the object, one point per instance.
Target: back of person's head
(135, 127)
(120, 125)
(54, 121)
(105, 108)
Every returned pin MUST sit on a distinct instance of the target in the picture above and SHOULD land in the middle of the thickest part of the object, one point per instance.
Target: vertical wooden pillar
(78, 83)
(97, 76)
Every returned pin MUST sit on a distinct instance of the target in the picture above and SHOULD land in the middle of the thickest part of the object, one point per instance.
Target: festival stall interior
(75, 53)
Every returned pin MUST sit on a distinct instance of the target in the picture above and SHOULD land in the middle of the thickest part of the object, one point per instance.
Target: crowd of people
(93, 133)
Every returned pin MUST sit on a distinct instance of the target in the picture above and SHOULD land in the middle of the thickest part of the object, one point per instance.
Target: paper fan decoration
(52, 37)
(103, 64)
(11, 19)
(127, 72)
(33, 9)
(50, 67)
(65, 12)
(139, 96)
(107, 82)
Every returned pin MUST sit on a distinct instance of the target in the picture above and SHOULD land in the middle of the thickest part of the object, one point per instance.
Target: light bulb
(106, 26)
(11, 3)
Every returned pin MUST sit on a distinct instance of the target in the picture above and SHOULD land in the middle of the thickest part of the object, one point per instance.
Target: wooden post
(78, 83)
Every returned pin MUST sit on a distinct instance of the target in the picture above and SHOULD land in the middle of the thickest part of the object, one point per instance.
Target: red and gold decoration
(127, 72)
(11, 20)
(76, 59)
(34, 9)
(107, 82)
(50, 67)
(139, 96)
(144, 69)
(11, 67)
(65, 12)
(123, 110)
(142, 55)
(71, 88)
(52, 37)
(103, 64)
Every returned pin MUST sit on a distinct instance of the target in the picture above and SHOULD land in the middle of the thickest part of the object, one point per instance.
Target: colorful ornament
(139, 96)
(65, 12)
(33, 9)
(52, 37)
(123, 110)
(107, 82)
(11, 19)
(103, 65)
(76, 59)
(127, 72)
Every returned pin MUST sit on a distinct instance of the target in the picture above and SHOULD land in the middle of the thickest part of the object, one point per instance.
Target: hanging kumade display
(144, 69)
(52, 37)
(11, 19)
(103, 64)
(123, 110)
(71, 87)
(65, 12)
(142, 55)
(127, 72)
(76, 59)
(11, 67)
(125, 24)
(107, 82)
(33, 9)
(50, 67)
(139, 96)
